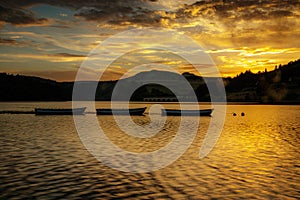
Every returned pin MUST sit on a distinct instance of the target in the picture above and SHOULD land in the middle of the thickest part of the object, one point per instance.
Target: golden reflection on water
(134, 144)
(256, 157)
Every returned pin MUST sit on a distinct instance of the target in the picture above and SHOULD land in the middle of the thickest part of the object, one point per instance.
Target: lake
(256, 157)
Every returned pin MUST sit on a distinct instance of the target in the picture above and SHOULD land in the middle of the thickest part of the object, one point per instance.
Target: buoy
(234, 114)
(242, 114)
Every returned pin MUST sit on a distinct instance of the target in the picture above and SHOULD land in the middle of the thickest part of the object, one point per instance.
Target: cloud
(161, 12)
(124, 14)
(233, 61)
(235, 11)
(9, 42)
(52, 40)
(68, 55)
(231, 30)
(77, 4)
(53, 58)
(137, 12)
(15, 42)
(60, 26)
(9, 13)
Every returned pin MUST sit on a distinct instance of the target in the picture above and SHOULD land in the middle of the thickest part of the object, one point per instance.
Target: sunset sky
(51, 38)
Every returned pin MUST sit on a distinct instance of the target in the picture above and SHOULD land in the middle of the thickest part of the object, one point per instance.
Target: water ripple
(256, 157)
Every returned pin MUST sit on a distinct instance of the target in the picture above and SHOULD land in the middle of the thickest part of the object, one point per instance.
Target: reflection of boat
(47, 111)
(131, 111)
(174, 112)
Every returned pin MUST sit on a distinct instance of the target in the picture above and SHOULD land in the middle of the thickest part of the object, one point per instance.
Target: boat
(174, 112)
(48, 111)
(131, 111)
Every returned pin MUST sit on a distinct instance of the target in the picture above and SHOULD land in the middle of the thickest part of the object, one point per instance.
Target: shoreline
(175, 102)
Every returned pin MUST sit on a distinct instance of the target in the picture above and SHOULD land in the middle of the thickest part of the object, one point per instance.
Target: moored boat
(174, 112)
(131, 111)
(49, 111)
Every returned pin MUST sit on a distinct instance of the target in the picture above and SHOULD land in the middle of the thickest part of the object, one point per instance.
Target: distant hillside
(28, 88)
(282, 85)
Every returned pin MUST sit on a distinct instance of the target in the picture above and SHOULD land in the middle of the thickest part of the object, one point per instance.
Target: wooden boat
(173, 112)
(47, 111)
(131, 111)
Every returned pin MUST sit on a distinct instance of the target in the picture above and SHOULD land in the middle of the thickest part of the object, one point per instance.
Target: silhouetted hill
(28, 88)
(280, 85)
(277, 86)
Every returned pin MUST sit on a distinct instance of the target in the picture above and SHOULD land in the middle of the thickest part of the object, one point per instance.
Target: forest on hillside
(281, 85)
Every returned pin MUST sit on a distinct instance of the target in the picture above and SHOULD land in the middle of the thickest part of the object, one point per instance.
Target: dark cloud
(241, 9)
(281, 13)
(13, 42)
(77, 4)
(250, 21)
(60, 26)
(120, 12)
(228, 11)
(68, 55)
(106, 11)
(9, 13)
(147, 12)
(8, 41)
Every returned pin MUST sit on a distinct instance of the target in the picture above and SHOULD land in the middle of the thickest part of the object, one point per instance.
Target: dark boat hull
(172, 112)
(44, 111)
(132, 111)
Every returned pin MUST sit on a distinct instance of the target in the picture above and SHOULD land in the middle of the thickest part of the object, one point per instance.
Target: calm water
(256, 157)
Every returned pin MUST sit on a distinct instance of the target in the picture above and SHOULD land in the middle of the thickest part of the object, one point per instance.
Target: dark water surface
(256, 157)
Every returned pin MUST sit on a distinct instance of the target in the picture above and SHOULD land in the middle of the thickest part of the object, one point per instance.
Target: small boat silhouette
(48, 111)
(173, 112)
(131, 111)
